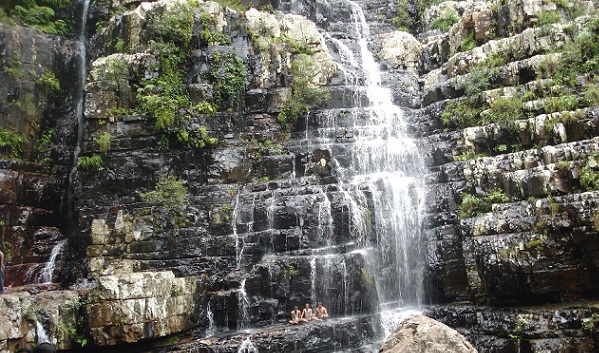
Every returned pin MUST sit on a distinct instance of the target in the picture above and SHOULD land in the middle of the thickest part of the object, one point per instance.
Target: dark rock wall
(539, 248)
(34, 182)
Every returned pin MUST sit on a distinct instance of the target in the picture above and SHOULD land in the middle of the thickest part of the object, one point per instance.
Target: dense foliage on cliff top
(40, 14)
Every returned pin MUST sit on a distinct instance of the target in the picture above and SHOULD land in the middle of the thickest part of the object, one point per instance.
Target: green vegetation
(176, 26)
(469, 42)
(504, 111)
(227, 74)
(169, 192)
(14, 66)
(176, 290)
(104, 140)
(90, 163)
(589, 173)
(208, 35)
(116, 73)
(547, 18)
(304, 95)
(164, 97)
(11, 144)
(472, 205)
(48, 82)
(40, 14)
(290, 272)
(402, 19)
(561, 103)
(591, 95)
(406, 21)
(445, 20)
(463, 113)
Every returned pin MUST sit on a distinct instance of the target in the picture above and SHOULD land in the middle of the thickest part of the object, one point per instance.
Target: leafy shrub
(169, 192)
(175, 26)
(561, 103)
(469, 42)
(304, 95)
(472, 205)
(210, 36)
(40, 14)
(589, 174)
(504, 111)
(445, 20)
(548, 18)
(90, 163)
(591, 95)
(11, 144)
(48, 82)
(104, 140)
(228, 75)
(402, 19)
(462, 114)
(166, 100)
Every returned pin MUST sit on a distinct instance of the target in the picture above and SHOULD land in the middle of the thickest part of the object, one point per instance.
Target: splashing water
(42, 336)
(247, 346)
(48, 270)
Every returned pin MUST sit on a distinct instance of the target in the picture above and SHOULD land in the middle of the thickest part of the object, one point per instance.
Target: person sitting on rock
(321, 312)
(296, 316)
(308, 314)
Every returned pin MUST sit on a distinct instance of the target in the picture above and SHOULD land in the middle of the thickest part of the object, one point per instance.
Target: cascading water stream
(387, 163)
(247, 346)
(244, 301)
(48, 270)
(78, 98)
(354, 242)
(210, 315)
(41, 334)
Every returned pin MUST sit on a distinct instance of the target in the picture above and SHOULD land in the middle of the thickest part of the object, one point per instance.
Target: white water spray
(247, 346)
(41, 334)
(48, 270)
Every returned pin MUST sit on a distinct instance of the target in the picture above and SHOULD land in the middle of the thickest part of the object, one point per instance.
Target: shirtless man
(321, 312)
(296, 316)
(308, 314)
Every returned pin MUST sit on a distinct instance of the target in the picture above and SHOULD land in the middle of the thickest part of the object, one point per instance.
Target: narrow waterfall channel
(352, 238)
(79, 105)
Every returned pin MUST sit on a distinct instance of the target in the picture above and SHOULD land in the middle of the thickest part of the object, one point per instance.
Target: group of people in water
(307, 314)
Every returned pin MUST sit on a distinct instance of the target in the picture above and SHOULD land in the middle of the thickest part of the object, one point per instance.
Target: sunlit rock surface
(420, 334)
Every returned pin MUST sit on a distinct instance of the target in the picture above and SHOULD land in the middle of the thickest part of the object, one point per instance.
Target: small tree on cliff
(170, 192)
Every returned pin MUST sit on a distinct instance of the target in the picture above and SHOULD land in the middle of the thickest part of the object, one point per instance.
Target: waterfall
(353, 239)
(48, 270)
(210, 315)
(42, 336)
(243, 304)
(247, 346)
(388, 164)
(238, 243)
(78, 99)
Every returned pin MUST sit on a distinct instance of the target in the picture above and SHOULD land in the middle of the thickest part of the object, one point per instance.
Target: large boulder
(419, 333)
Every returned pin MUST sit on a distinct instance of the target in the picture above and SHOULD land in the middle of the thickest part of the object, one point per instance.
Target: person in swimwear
(308, 314)
(296, 316)
(321, 312)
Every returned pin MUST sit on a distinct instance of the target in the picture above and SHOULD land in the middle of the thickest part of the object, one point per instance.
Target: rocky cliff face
(212, 191)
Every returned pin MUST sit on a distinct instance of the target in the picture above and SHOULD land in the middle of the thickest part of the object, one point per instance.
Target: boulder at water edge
(420, 334)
